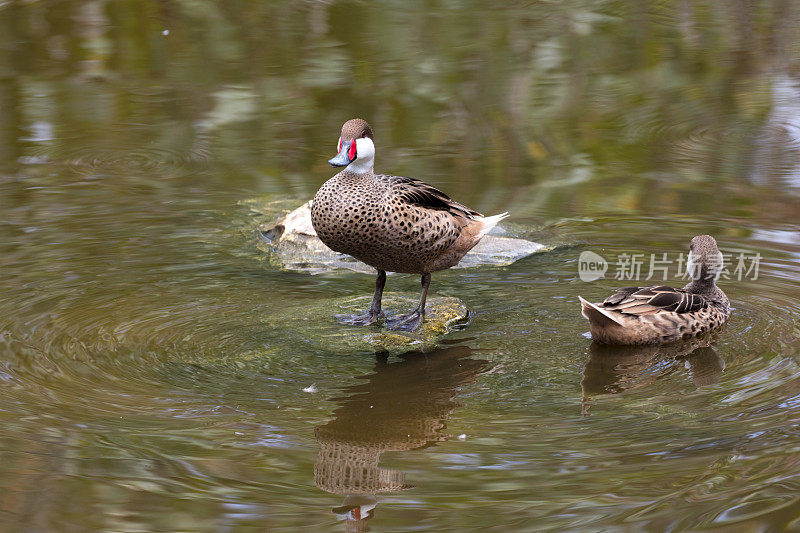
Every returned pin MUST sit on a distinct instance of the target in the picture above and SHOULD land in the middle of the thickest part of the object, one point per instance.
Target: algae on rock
(443, 315)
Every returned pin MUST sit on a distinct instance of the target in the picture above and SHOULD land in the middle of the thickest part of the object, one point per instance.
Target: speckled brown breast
(359, 215)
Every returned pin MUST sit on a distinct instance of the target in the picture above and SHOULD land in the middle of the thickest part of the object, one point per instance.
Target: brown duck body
(660, 314)
(394, 223)
(391, 223)
(655, 314)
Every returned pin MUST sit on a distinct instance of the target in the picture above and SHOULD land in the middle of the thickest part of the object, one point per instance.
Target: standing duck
(659, 314)
(391, 223)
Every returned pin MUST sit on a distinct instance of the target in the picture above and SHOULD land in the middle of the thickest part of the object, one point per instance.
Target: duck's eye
(363, 135)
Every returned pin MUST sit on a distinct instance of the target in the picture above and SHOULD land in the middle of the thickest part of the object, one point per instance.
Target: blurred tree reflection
(514, 102)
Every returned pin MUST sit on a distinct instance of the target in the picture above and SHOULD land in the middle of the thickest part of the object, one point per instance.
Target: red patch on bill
(351, 153)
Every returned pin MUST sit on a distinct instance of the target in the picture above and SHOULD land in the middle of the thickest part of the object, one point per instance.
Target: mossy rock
(443, 314)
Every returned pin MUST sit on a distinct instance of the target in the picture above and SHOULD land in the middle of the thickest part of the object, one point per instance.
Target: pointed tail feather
(487, 223)
(596, 315)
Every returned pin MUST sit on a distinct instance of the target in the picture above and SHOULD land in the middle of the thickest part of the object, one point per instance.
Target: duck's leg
(412, 320)
(374, 311)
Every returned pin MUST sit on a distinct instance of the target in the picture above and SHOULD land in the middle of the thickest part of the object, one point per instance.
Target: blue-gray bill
(342, 159)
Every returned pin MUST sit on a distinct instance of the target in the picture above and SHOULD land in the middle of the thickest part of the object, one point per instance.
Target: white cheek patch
(365, 156)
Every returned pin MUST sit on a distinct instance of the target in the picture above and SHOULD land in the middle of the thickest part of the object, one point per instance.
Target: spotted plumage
(391, 223)
(660, 314)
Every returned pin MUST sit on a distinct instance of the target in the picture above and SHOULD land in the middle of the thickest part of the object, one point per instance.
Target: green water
(153, 358)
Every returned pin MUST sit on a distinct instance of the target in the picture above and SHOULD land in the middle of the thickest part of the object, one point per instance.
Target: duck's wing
(419, 193)
(654, 299)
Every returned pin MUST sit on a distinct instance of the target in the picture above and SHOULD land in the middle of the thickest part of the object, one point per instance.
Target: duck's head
(704, 263)
(356, 148)
(356, 508)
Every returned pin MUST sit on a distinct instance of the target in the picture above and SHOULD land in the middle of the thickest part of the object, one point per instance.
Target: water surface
(153, 359)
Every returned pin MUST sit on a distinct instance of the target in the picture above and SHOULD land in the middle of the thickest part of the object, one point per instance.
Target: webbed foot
(363, 319)
(409, 322)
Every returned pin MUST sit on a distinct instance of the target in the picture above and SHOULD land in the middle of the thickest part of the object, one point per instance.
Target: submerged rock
(295, 245)
(442, 315)
(313, 321)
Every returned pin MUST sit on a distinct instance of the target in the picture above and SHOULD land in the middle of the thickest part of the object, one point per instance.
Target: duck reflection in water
(614, 369)
(402, 405)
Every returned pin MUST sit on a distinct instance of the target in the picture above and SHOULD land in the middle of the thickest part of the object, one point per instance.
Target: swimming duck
(391, 223)
(660, 314)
